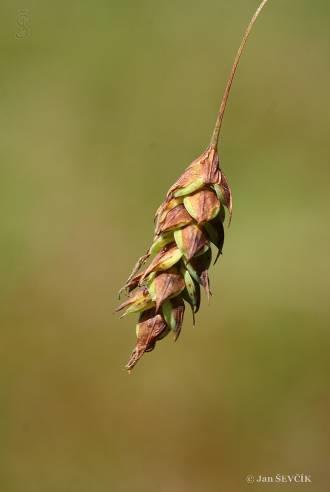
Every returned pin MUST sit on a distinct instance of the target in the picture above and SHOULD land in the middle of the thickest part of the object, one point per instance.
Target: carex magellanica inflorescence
(187, 224)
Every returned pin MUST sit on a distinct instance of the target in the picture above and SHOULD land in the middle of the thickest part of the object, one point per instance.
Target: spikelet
(188, 223)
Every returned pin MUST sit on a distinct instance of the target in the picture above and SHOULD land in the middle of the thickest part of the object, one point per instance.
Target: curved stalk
(216, 131)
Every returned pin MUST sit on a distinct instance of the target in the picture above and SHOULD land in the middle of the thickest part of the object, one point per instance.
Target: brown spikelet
(174, 219)
(151, 327)
(188, 224)
(164, 260)
(203, 205)
(166, 285)
(190, 240)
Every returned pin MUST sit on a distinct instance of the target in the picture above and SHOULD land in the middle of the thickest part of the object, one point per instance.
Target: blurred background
(103, 104)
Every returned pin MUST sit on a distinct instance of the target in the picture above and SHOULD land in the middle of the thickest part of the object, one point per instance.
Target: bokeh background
(103, 104)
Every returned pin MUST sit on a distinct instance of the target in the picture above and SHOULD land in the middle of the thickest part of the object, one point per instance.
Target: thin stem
(216, 131)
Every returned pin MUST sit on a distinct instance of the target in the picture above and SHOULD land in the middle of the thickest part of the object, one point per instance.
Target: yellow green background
(103, 104)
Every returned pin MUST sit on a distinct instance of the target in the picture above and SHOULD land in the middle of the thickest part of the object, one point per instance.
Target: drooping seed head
(186, 224)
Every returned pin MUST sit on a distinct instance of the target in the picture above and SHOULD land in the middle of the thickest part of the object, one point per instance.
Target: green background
(103, 105)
